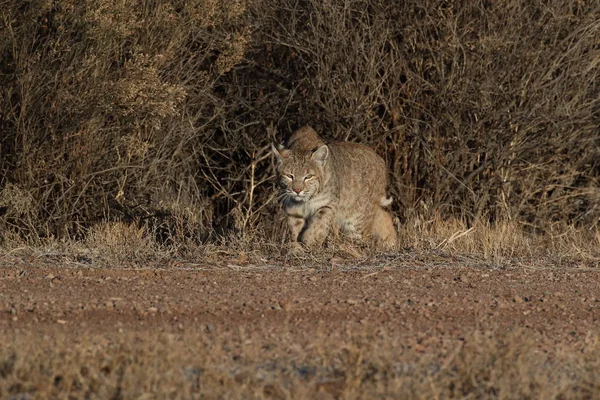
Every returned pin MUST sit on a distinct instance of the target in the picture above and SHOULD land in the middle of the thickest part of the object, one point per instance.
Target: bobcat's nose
(297, 190)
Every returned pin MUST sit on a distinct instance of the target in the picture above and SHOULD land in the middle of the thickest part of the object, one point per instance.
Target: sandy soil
(423, 307)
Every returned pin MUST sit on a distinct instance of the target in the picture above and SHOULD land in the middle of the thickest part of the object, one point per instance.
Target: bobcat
(337, 185)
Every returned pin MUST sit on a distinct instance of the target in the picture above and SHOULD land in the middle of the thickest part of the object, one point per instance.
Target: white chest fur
(308, 208)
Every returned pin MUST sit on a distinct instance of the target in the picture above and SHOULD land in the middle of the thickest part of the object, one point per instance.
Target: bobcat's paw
(296, 250)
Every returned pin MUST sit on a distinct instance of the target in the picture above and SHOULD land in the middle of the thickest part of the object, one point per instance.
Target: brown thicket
(162, 112)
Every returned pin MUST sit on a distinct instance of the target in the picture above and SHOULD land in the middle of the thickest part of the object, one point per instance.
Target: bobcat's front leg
(296, 225)
(317, 228)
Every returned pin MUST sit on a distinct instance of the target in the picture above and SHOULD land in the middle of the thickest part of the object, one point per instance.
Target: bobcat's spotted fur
(336, 185)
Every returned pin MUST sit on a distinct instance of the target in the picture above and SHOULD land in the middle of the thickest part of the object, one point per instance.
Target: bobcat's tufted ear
(280, 152)
(321, 155)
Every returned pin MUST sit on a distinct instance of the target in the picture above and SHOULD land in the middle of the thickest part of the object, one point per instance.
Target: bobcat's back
(304, 139)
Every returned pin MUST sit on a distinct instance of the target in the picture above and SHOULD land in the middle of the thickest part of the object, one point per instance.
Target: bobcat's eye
(289, 176)
(307, 177)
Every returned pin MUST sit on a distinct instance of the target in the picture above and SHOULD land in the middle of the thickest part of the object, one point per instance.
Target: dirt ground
(411, 307)
(445, 302)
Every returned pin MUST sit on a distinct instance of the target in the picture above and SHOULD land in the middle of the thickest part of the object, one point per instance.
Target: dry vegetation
(240, 366)
(140, 130)
(161, 113)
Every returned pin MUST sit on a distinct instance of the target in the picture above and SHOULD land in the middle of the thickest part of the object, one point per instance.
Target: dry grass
(118, 245)
(204, 365)
(502, 242)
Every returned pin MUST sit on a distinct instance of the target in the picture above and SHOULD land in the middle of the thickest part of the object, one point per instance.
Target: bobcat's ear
(321, 155)
(280, 152)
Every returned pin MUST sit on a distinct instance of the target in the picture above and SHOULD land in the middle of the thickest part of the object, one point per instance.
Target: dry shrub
(105, 110)
(482, 110)
(163, 112)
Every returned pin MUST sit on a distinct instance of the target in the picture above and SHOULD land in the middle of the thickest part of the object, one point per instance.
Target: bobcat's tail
(384, 202)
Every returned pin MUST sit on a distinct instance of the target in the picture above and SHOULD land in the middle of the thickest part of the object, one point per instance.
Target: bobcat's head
(300, 173)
